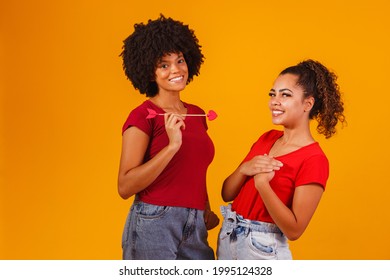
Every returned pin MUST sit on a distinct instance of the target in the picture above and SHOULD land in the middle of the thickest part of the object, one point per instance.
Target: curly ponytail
(317, 81)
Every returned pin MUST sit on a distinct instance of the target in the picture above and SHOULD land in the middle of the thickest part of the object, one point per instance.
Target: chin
(276, 122)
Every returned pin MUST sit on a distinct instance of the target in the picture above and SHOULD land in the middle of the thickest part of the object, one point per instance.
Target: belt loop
(230, 215)
(247, 230)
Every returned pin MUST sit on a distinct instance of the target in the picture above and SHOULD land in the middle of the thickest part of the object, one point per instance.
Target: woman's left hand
(210, 219)
(264, 177)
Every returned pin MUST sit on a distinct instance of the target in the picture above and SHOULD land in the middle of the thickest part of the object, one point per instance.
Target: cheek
(161, 75)
(184, 68)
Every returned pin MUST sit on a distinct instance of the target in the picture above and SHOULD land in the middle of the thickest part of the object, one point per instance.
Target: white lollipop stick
(211, 115)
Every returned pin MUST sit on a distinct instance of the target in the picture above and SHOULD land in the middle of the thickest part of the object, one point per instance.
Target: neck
(299, 137)
(168, 102)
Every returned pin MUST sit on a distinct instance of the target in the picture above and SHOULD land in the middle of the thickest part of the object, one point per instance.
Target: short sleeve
(137, 118)
(314, 170)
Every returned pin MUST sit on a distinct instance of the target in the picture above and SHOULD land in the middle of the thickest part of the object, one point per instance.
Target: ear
(309, 103)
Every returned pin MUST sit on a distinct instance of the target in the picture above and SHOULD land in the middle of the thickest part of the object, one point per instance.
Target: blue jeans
(243, 239)
(165, 233)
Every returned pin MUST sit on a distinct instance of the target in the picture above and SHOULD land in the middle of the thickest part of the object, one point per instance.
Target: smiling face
(287, 103)
(171, 73)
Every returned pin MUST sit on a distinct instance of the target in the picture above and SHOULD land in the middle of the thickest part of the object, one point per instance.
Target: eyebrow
(178, 57)
(286, 89)
(283, 89)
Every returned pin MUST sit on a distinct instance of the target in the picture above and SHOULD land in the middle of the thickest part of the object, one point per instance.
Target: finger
(213, 223)
(169, 119)
(265, 170)
(175, 120)
(166, 116)
(206, 215)
(180, 124)
(211, 219)
(277, 164)
(270, 160)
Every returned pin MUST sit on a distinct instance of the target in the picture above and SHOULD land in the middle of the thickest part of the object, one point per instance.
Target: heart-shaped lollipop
(211, 115)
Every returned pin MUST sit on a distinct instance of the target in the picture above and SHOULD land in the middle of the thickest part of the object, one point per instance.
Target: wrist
(260, 182)
(173, 147)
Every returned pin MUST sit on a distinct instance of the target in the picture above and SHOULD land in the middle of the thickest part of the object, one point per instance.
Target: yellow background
(64, 98)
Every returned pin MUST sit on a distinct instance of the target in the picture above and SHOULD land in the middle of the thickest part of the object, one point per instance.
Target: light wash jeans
(165, 233)
(243, 239)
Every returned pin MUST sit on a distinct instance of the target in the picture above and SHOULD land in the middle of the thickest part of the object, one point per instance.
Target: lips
(176, 79)
(276, 113)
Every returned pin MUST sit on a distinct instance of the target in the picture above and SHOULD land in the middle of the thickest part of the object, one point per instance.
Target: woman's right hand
(260, 164)
(257, 165)
(174, 123)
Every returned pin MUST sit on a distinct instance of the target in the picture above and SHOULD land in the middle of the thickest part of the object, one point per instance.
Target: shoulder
(271, 135)
(313, 157)
(141, 109)
(266, 140)
(315, 150)
(193, 108)
(311, 153)
(138, 116)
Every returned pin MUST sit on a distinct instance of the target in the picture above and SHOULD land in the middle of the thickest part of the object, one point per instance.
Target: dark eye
(271, 94)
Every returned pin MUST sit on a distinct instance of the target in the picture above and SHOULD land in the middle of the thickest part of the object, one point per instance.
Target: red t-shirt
(306, 165)
(183, 182)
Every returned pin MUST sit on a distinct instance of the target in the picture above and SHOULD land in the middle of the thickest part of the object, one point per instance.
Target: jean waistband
(234, 220)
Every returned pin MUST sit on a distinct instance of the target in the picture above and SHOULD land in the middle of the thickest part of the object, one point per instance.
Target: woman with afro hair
(164, 158)
(278, 186)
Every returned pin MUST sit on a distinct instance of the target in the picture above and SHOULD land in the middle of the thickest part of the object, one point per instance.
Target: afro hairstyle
(149, 42)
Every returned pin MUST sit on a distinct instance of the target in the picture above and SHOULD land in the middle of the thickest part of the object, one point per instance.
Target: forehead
(288, 81)
(170, 56)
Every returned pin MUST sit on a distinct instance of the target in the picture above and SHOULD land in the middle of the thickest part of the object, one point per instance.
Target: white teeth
(277, 112)
(177, 79)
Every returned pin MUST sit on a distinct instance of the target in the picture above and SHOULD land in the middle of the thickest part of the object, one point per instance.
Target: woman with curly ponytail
(278, 186)
(164, 159)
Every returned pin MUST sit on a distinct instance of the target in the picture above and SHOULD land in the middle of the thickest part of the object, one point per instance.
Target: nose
(275, 101)
(174, 68)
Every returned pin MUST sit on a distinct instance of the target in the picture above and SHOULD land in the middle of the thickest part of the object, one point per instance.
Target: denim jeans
(243, 239)
(165, 233)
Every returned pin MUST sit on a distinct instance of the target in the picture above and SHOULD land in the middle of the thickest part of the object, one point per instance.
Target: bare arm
(134, 175)
(232, 185)
(292, 222)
